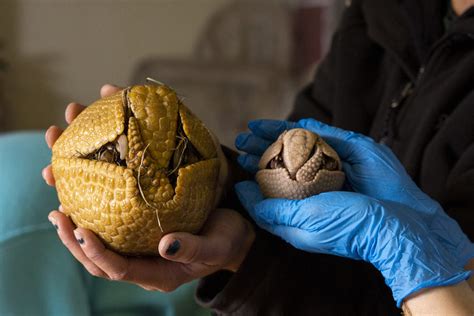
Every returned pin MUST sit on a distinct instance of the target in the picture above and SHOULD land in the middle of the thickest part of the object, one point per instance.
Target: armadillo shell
(276, 183)
(131, 205)
(302, 170)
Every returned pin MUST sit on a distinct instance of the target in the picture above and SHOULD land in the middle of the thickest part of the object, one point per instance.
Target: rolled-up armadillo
(134, 166)
(297, 165)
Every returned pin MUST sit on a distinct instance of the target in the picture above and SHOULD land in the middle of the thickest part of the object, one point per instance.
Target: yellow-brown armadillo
(297, 165)
(134, 166)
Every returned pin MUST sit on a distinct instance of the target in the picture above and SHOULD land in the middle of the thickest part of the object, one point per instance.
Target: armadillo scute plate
(135, 166)
(299, 164)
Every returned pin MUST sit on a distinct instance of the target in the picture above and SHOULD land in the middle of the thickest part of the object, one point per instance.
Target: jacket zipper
(389, 130)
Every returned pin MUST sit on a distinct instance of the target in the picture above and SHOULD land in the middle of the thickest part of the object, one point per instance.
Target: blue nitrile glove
(389, 235)
(371, 169)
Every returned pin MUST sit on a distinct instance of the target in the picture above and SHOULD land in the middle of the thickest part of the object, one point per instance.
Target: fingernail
(173, 248)
(79, 238)
(60, 208)
(53, 221)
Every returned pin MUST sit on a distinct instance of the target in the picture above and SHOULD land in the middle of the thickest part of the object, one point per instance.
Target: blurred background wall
(53, 52)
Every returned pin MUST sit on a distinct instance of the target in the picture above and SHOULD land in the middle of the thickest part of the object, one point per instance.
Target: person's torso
(401, 79)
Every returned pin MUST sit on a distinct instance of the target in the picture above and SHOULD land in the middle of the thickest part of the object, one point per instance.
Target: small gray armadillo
(298, 165)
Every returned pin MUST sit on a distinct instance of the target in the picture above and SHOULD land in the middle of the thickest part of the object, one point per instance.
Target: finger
(323, 210)
(352, 176)
(346, 143)
(249, 162)
(52, 134)
(72, 111)
(308, 241)
(223, 242)
(108, 90)
(188, 248)
(249, 195)
(150, 273)
(270, 129)
(48, 177)
(251, 144)
(293, 235)
(360, 182)
(115, 266)
(275, 212)
(65, 229)
(326, 130)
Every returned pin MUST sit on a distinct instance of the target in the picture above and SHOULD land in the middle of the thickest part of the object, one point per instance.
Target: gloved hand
(389, 235)
(371, 169)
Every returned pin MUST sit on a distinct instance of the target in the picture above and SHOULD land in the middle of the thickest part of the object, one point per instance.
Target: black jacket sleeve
(459, 192)
(447, 172)
(277, 279)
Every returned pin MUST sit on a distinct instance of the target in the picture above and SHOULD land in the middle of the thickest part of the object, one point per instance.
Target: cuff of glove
(226, 292)
(455, 279)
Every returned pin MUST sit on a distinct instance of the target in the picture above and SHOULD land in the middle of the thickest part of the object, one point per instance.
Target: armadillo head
(134, 166)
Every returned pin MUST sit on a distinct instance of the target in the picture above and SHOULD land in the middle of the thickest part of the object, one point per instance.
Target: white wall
(64, 50)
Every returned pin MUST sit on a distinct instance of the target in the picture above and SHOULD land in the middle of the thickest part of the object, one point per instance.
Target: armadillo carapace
(134, 166)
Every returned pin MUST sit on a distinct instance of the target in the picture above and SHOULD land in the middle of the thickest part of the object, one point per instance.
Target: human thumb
(188, 248)
(108, 90)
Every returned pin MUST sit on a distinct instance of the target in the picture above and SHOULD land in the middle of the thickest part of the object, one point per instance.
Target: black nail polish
(173, 248)
(81, 241)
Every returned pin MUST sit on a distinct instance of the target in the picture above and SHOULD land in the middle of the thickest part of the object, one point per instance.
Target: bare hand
(72, 110)
(223, 243)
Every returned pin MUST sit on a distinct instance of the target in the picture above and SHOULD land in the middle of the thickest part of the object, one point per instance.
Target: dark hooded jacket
(394, 72)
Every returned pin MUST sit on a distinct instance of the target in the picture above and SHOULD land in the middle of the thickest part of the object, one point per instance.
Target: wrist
(420, 267)
(456, 299)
